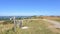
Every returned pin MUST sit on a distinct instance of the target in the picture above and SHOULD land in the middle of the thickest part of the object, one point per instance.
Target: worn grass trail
(54, 25)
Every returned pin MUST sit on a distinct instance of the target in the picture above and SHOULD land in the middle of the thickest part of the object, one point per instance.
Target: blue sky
(29, 7)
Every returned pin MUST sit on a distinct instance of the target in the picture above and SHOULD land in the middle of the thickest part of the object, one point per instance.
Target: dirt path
(54, 25)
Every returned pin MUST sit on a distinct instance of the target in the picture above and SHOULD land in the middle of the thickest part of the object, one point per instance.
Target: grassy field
(35, 27)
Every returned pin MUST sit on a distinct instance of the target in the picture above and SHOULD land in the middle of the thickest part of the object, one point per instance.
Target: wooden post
(14, 24)
(20, 23)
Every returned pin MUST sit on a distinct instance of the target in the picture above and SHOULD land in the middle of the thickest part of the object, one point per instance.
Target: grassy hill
(35, 27)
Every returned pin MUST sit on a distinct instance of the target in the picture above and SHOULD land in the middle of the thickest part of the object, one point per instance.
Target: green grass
(36, 27)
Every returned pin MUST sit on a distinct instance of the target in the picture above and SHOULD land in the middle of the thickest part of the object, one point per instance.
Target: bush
(8, 22)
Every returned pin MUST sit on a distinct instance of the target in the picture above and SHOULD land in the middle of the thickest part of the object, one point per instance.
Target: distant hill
(8, 17)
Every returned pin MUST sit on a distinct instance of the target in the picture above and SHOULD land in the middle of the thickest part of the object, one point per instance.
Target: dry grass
(52, 18)
(36, 27)
(5, 27)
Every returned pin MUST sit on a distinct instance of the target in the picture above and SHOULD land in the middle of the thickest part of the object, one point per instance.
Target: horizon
(29, 7)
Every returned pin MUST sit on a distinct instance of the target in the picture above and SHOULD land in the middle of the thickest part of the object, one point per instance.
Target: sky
(29, 7)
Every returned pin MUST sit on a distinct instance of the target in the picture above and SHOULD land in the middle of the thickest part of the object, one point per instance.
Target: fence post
(20, 24)
(14, 24)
